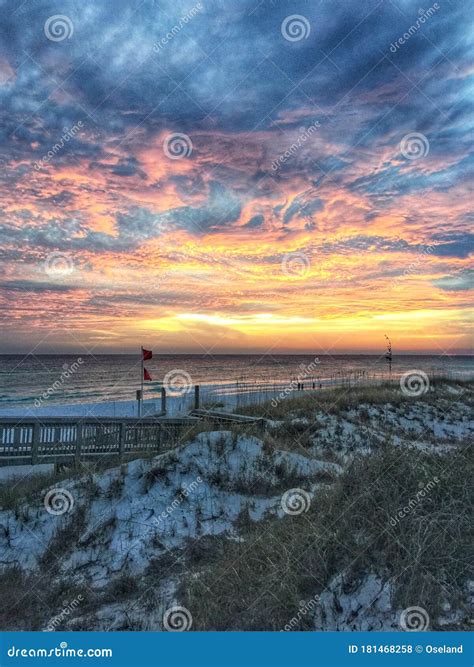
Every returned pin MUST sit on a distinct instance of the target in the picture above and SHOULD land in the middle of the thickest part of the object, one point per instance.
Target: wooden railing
(63, 440)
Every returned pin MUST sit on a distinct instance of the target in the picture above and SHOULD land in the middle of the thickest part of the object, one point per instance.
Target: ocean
(46, 380)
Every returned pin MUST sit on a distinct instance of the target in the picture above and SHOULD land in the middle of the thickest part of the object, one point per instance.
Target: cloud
(37, 287)
(127, 167)
(221, 208)
(255, 221)
(303, 206)
(454, 245)
(250, 71)
(464, 280)
(243, 94)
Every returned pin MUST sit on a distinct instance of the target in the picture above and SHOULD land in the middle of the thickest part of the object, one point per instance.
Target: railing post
(163, 399)
(16, 436)
(78, 451)
(122, 427)
(35, 442)
(196, 397)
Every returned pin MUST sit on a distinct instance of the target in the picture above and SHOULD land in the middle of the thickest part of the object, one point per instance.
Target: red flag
(146, 375)
(147, 354)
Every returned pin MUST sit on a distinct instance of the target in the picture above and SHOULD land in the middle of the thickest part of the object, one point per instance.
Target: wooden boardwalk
(69, 440)
(220, 417)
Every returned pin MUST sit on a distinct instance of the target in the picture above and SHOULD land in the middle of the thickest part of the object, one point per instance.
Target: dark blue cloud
(228, 64)
(454, 245)
(127, 167)
(303, 206)
(32, 286)
(255, 222)
(464, 280)
(63, 198)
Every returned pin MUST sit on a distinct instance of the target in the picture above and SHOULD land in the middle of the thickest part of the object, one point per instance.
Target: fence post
(35, 442)
(121, 440)
(163, 399)
(196, 397)
(78, 452)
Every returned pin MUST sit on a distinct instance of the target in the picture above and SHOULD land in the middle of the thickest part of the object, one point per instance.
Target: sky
(252, 176)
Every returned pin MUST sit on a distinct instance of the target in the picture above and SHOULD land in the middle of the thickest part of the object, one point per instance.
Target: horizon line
(245, 354)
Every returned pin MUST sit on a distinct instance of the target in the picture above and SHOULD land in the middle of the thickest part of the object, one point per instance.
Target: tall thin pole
(142, 384)
(388, 356)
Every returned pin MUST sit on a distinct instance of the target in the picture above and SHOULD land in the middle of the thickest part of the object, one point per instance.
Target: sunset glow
(115, 241)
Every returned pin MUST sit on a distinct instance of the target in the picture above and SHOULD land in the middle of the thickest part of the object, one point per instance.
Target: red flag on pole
(147, 354)
(146, 375)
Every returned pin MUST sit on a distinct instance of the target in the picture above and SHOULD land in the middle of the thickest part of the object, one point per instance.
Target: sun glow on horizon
(252, 207)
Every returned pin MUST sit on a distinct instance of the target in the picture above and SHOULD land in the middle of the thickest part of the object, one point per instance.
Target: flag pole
(143, 372)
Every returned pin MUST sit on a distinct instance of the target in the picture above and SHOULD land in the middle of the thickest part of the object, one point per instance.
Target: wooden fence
(65, 440)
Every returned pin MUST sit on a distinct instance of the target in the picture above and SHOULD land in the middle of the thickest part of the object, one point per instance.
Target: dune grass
(333, 400)
(258, 583)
